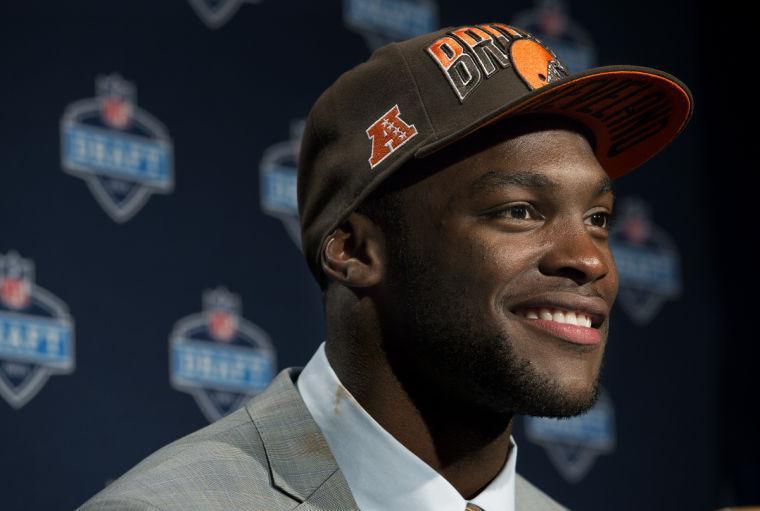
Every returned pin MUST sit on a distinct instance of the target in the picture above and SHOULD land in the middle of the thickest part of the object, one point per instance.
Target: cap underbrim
(633, 113)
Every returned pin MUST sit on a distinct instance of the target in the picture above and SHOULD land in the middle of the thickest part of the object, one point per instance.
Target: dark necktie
(473, 507)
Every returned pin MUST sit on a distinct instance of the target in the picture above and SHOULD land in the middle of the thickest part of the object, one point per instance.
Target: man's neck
(468, 447)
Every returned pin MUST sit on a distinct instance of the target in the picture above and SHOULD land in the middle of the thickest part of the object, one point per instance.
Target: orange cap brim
(634, 112)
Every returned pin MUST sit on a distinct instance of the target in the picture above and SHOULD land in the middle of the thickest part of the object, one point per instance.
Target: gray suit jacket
(269, 455)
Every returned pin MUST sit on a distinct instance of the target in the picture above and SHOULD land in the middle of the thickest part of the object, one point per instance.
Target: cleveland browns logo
(469, 53)
(387, 134)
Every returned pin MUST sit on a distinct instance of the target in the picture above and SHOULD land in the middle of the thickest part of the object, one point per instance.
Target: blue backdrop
(150, 274)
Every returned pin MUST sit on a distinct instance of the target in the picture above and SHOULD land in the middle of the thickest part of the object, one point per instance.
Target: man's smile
(574, 333)
(576, 319)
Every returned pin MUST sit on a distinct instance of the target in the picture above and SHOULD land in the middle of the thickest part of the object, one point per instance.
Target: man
(455, 194)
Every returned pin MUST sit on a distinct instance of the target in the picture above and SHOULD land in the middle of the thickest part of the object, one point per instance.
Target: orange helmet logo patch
(535, 64)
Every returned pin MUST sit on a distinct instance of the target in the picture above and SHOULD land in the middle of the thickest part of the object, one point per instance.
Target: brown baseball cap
(414, 97)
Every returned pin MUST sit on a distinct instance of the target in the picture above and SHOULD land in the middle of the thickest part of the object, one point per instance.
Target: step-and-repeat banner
(151, 278)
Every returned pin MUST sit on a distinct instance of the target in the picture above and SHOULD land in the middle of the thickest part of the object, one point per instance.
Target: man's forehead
(526, 179)
(526, 152)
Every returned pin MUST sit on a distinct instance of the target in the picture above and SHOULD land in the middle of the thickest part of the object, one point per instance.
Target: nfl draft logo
(381, 22)
(549, 22)
(216, 13)
(36, 332)
(123, 153)
(647, 261)
(278, 171)
(218, 357)
(573, 444)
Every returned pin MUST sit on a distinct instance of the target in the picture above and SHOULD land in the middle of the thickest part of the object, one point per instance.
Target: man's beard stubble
(445, 358)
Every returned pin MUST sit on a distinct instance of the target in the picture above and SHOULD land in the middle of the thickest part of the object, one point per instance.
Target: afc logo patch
(387, 134)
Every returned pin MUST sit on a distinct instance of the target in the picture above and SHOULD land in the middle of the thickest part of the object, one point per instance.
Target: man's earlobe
(354, 253)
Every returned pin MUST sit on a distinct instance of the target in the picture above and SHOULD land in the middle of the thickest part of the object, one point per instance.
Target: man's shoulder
(221, 466)
(530, 498)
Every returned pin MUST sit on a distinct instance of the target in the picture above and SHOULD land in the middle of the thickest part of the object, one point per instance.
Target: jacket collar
(299, 458)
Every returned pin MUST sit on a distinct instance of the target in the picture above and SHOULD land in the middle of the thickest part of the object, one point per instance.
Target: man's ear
(354, 253)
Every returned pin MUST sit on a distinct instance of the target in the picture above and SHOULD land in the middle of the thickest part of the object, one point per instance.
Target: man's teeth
(560, 316)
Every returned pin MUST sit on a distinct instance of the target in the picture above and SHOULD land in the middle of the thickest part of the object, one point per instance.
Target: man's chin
(518, 389)
(550, 390)
(515, 387)
(558, 402)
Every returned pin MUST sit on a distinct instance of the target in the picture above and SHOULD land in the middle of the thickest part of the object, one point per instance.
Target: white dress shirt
(381, 472)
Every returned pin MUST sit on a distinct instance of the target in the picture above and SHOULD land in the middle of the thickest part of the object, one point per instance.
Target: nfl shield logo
(123, 153)
(15, 285)
(36, 332)
(222, 325)
(117, 102)
(218, 357)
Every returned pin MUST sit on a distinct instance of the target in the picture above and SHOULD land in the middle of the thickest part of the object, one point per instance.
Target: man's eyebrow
(525, 179)
(605, 185)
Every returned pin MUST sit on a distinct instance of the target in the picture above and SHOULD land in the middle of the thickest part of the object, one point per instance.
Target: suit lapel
(299, 458)
(530, 498)
(333, 494)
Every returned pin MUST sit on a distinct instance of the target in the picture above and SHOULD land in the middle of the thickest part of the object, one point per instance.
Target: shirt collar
(380, 471)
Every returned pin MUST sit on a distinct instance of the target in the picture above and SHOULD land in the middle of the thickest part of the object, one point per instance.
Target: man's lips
(573, 318)
(571, 333)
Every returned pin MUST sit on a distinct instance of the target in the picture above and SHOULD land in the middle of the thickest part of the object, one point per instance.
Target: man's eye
(601, 219)
(516, 212)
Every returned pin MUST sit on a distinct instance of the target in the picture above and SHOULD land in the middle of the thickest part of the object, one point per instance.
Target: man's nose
(574, 253)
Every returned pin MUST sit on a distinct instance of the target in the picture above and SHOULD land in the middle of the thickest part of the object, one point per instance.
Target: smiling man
(455, 197)
(475, 285)
(455, 194)
(490, 276)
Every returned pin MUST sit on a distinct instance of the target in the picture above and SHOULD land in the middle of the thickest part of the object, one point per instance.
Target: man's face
(507, 227)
